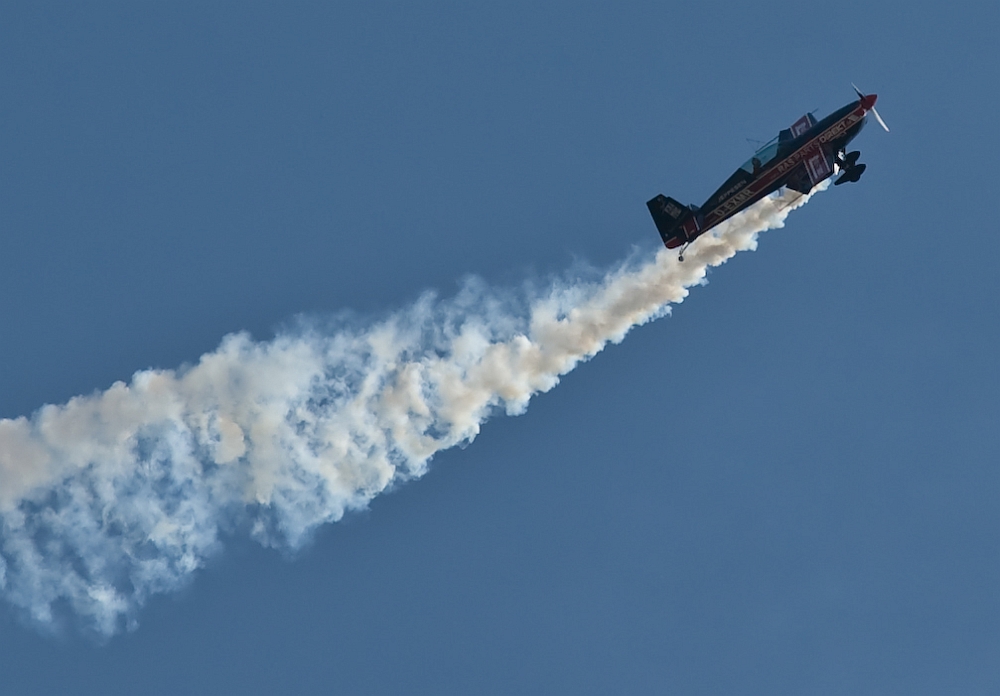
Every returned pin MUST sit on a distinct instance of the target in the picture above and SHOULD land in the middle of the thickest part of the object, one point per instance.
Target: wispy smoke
(118, 495)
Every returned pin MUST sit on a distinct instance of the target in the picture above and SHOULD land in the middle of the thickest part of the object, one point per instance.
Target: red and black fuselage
(800, 158)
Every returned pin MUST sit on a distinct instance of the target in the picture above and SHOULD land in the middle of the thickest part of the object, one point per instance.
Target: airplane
(800, 157)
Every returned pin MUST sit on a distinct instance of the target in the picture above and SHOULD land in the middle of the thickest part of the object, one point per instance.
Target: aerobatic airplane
(800, 157)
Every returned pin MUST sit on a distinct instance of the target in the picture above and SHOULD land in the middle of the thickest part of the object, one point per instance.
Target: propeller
(871, 106)
(879, 119)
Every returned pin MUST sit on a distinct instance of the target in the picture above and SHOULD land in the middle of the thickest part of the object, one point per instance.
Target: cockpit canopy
(760, 158)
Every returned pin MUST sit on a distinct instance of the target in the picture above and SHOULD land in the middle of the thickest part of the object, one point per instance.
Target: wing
(818, 165)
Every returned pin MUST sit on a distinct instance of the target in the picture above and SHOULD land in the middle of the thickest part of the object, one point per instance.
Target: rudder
(667, 214)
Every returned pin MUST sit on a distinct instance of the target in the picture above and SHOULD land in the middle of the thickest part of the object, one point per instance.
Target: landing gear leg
(680, 257)
(846, 160)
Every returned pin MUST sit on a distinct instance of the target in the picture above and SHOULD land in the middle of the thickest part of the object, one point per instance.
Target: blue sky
(787, 486)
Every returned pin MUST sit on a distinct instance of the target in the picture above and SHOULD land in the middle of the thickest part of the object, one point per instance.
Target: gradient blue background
(790, 486)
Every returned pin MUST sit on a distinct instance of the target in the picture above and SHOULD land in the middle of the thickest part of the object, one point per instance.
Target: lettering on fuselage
(810, 149)
(840, 127)
(732, 189)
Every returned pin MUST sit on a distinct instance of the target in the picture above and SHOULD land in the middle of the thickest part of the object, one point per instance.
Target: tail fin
(667, 214)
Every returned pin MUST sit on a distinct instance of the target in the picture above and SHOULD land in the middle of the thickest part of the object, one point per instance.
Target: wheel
(680, 258)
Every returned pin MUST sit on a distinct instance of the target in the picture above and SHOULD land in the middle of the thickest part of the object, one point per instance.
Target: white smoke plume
(115, 496)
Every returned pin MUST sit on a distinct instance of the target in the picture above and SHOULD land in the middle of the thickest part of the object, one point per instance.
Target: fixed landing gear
(852, 174)
(849, 164)
(680, 257)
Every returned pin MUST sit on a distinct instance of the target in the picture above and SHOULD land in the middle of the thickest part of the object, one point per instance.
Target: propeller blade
(879, 119)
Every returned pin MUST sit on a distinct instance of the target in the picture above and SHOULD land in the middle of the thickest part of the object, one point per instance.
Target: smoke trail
(118, 495)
